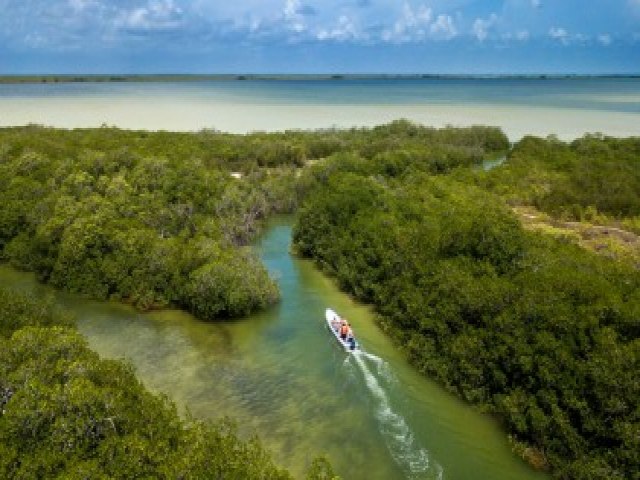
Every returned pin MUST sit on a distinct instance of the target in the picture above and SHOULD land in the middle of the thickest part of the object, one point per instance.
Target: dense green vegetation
(156, 219)
(540, 332)
(93, 217)
(66, 413)
(579, 180)
(536, 330)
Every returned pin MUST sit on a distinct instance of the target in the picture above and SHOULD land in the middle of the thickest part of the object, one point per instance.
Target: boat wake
(402, 444)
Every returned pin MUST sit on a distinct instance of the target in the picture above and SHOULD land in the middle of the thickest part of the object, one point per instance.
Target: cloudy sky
(310, 36)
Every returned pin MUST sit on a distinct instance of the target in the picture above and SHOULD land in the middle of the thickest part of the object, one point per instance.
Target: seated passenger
(344, 330)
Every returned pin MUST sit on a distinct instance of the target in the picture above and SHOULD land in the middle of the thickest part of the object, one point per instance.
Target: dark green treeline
(540, 332)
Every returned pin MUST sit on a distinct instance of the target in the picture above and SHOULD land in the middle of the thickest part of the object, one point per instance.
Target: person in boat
(336, 322)
(351, 340)
(349, 334)
(344, 330)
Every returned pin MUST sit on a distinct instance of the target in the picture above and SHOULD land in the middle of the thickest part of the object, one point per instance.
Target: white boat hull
(330, 315)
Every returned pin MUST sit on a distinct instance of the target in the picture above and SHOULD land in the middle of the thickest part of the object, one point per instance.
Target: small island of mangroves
(534, 327)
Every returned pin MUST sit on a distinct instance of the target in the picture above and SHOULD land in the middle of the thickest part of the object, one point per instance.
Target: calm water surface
(281, 375)
(565, 107)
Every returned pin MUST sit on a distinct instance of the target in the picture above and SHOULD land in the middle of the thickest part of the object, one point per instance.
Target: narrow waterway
(280, 374)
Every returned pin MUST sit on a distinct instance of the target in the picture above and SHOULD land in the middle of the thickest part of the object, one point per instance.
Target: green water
(281, 375)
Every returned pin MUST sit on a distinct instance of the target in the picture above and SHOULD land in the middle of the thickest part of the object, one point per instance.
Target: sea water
(566, 107)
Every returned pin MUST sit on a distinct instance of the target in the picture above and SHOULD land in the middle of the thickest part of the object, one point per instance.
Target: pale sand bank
(189, 114)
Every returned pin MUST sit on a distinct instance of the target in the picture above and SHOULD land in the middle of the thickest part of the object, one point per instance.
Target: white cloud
(480, 26)
(559, 34)
(291, 8)
(35, 40)
(565, 38)
(293, 17)
(604, 39)
(411, 25)
(443, 27)
(79, 5)
(580, 38)
(155, 15)
(83, 24)
(345, 29)
(418, 25)
(520, 35)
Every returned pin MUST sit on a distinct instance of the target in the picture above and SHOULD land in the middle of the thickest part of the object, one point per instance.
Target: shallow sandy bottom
(188, 114)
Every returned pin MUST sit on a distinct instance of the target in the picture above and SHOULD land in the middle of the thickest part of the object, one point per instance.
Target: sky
(313, 36)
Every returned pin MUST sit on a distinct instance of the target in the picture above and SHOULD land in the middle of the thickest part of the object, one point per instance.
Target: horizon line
(325, 75)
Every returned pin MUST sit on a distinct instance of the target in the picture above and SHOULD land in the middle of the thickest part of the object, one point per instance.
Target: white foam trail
(351, 370)
(382, 367)
(402, 445)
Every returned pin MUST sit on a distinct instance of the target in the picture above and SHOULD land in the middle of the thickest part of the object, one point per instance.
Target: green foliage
(93, 216)
(66, 413)
(321, 469)
(540, 332)
(17, 311)
(72, 414)
(233, 286)
(575, 180)
(156, 219)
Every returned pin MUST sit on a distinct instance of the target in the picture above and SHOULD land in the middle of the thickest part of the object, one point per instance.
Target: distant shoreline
(115, 78)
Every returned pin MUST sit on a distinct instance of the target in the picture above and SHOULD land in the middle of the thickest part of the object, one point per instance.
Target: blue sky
(313, 36)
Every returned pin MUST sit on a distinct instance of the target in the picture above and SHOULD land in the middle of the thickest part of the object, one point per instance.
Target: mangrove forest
(529, 327)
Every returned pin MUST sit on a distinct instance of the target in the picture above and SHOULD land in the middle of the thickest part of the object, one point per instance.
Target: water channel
(281, 375)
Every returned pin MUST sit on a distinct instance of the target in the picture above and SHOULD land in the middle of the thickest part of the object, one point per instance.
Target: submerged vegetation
(66, 413)
(539, 331)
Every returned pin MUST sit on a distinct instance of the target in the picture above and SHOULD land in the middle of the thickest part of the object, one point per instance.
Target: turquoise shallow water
(567, 107)
(606, 94)
(281, 375)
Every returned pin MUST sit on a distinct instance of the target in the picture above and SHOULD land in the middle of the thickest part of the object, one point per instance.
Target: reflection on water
(282, 376)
